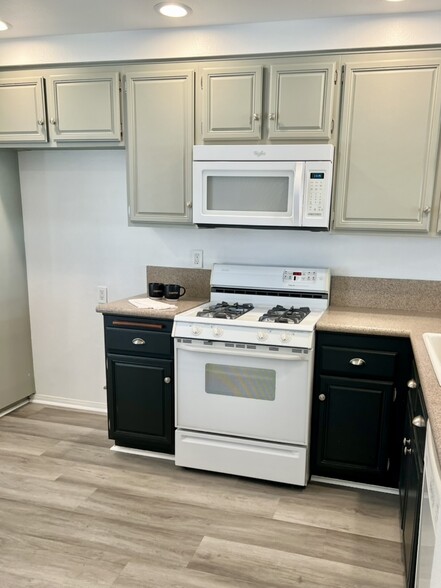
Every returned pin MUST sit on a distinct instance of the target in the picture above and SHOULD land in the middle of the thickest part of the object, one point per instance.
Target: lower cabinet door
(350, 436)
(140, 402)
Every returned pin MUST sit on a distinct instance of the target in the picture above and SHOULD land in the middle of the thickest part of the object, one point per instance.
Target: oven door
(252, 391)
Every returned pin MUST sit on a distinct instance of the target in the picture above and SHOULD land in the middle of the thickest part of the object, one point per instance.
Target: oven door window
(241, 382)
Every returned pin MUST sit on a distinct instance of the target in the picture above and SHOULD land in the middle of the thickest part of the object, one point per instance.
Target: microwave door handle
(243, 353)
(299, 187)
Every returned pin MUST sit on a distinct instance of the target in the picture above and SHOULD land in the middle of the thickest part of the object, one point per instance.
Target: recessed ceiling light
(173, 9)
(4, 26)
(394, 0)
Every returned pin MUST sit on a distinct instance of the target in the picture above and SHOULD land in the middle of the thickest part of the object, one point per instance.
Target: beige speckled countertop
(125, 308)
(397, 324)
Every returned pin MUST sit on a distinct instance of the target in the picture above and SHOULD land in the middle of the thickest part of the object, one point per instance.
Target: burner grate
(225, 310)
(280, 314)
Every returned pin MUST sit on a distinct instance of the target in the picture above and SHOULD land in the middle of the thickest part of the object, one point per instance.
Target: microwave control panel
(317, 199)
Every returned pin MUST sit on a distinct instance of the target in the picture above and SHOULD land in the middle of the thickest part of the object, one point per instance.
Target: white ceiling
(30, 18)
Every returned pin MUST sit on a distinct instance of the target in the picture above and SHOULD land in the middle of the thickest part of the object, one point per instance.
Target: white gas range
(243, 366)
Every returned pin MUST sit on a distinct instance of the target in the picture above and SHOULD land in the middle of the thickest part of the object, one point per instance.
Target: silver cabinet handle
(167, 380)
(357, 361)
(138, 341)
(322, 397)
(408, 450)
(419, 421)
(412, 384)
(427, 210)
(406, 442)
(256, 116)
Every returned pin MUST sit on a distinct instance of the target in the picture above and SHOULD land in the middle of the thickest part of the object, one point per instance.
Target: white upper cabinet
(232, 103)
(75, 107)
(22, 110)
(388, 144)
(300, 104)
(84, 107)
(159, 145)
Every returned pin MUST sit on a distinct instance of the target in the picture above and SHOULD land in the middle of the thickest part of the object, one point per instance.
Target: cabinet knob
(357, 361)
(419, 421)
(189, 204)
(406, 442)
(408, 450)
(40, 122)
(322, 397)
(167, 380)
(138, 341)
(52, 121)
(412, 384)
(271, 116)
(427, 210)
(256, 116)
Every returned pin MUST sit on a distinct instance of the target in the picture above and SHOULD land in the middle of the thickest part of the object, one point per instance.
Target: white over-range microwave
(263, 186)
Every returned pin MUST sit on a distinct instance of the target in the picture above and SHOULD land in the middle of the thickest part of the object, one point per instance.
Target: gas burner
(225, 310)
(279, 314)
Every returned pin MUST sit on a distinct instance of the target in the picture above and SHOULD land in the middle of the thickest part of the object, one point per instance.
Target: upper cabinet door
(301, 97)
(84, 107)
(232, 103)
(22, 112)
(390, 128)
(159, 145)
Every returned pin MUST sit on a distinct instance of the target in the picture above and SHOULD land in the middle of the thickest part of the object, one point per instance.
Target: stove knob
(217, 331)
(261, 335)
(285, 337)
(196, 330)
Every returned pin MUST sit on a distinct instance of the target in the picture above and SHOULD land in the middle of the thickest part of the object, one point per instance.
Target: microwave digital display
(317, 175)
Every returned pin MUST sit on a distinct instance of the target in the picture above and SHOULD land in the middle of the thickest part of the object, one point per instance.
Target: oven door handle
(245, 353)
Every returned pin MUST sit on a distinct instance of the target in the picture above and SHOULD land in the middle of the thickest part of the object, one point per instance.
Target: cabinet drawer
(357, 362)
(139, 341)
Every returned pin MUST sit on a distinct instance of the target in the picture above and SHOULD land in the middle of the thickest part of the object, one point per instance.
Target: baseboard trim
(357, 485)
(61, 402)
(142, 452)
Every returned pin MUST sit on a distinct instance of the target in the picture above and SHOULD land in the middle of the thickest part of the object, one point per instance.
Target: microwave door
(264, 193)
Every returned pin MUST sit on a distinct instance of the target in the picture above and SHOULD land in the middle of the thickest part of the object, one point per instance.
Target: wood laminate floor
(74, 514)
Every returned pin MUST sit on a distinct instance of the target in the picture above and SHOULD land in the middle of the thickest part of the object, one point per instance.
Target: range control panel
(299, 276)
(316, 279)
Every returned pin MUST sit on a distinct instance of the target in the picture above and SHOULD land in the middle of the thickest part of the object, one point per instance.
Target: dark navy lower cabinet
(140, 392)
(359, 399)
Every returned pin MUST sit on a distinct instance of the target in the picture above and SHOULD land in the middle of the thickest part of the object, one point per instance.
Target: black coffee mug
(156, 290)
(173, 291)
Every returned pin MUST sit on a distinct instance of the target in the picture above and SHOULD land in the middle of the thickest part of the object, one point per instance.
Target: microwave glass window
(248, 193)
(240, 381)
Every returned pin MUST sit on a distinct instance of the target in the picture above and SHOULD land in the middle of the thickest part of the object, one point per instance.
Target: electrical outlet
(102, 294)
(197, 258)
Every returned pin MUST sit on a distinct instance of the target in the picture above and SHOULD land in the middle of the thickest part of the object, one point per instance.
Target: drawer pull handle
(137, 325)
(138, 341)
(419, 421)
(357, 361)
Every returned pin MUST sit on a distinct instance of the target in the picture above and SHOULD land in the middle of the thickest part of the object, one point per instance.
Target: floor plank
(74, 514)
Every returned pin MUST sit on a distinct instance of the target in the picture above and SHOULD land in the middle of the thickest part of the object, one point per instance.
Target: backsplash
(386, 294)
(195, 281)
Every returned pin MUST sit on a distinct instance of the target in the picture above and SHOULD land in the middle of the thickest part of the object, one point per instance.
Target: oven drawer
(139, 341)
(243, 457)
(357, 362)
